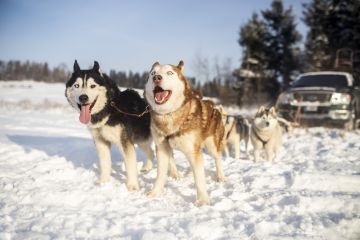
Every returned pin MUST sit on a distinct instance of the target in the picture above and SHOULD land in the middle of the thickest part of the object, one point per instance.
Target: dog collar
(147, 110)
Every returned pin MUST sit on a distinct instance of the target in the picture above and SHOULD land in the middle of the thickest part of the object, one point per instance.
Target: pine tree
(252, 40)
(333, 24)
(317, 51)
(281, 39)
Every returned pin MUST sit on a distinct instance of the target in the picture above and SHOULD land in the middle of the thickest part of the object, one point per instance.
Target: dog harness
(232, 126)
(259, 138)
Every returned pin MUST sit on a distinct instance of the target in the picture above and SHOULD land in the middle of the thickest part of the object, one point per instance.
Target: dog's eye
(76, 85)
(93, 86)
(169, 73)
(152, 73)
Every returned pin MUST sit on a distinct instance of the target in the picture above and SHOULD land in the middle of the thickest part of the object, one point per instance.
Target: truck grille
(313, 97)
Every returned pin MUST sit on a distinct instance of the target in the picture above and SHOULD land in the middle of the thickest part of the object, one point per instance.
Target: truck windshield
(335, 81)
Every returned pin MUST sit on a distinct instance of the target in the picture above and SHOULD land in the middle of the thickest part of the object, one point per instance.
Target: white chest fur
(184, 142)
(109, 133)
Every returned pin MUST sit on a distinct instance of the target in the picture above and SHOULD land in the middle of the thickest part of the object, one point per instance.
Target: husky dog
(181, 120)
(237, 128)
(266, 133)
(99, 101)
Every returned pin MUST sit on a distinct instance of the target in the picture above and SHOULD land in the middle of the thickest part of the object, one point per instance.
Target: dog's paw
(220, 179)
(147, 167)
(176, 175)
(102, 181)
(132, 187)
(152, 194)
(202, 202)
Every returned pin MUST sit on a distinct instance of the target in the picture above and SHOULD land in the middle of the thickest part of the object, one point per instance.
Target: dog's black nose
(267, 124)
(157, 78)
(83, 98)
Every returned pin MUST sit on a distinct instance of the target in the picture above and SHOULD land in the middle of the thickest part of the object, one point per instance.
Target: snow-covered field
(48, 169)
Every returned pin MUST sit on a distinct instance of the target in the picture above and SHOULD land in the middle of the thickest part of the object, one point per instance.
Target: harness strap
(147, 110)
(259, 138)
(232, 126)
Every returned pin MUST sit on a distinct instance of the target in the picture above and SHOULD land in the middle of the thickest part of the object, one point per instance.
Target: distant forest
(18, 70)
(272, 56)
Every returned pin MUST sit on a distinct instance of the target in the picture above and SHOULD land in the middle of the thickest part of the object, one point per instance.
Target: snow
(48, 169)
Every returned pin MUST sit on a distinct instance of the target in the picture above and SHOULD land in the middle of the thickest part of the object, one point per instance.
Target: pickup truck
(322, 99)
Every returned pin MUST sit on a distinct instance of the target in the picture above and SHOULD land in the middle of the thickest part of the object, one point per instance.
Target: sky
(127, 35)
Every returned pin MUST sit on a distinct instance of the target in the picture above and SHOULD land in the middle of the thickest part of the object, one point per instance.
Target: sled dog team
(173, 116)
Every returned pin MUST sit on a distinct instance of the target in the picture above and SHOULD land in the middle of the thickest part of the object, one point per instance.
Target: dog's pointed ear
(181, 65)
(76, 66)
(154, 65)
(261, 110)
(96, 66)
(272, 111)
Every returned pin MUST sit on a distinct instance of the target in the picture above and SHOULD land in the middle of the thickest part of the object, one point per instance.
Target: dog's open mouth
(85, 112)
(160, 95)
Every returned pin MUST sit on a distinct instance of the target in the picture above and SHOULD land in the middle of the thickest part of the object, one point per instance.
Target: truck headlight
(286, 98)
(340, 98)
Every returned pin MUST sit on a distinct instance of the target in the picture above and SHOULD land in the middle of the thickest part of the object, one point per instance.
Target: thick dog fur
(107, 125)
(266, 133)
(237, 128)
(181, 120)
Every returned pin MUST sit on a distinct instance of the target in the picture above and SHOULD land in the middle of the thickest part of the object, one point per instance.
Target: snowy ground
(48, 166)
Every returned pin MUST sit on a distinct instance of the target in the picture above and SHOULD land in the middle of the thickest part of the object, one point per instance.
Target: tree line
(17, 70)
(272, 56)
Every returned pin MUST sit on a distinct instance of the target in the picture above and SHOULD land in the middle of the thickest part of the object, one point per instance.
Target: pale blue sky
(124, 34)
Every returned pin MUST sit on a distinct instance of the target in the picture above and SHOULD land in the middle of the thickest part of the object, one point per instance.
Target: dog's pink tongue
(85, 115)
(160, 96)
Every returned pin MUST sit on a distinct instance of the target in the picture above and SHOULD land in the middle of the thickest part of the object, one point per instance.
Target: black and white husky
(105, 110)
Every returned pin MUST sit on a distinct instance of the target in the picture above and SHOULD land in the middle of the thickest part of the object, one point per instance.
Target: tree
(317, 51)
(281, 39)
(333, 24)
(270, 54)
(252, 40)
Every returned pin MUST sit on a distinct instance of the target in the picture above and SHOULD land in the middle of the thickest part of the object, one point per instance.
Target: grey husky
(266, 133)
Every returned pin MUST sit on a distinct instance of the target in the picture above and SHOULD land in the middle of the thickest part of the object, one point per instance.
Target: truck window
(336, 81)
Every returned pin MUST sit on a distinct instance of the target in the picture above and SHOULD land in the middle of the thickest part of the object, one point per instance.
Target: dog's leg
(276, 151)
(226, 150)
(174, 173)
(212, 148)
(219, 169)
(163, 154)
(256, 154)
(197, 164)
(128, 151)
(247, 139)
(103, 149)
(146, 148)
(269, 148)
(237, 149)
